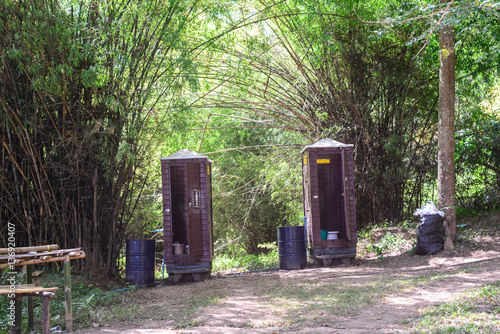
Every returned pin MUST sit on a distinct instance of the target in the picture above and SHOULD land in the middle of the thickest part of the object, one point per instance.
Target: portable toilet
(187, 216)
(329, 202)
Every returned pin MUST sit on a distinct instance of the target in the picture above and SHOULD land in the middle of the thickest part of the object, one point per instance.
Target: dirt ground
(241, 303)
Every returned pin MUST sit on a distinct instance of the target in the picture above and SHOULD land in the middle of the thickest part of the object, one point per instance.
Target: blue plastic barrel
(292, 247)
(140, 261)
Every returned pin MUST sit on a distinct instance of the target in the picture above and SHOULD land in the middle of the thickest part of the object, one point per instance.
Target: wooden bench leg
(67, 293)
(46, 314)
(29, 280)
(16, 329)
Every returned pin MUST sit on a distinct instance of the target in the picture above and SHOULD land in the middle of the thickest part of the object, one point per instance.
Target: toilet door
(193, 200)
(345, 192)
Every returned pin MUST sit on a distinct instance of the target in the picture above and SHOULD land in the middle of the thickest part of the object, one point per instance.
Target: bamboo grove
(76, 95)
(91, 92)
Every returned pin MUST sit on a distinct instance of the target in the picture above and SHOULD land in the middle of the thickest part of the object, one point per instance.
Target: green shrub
(389, 241)
(248, 262)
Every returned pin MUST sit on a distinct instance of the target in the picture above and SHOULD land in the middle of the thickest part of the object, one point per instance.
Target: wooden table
(27, 256)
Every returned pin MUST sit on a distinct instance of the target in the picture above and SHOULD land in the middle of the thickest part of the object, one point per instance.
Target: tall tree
(446, 130)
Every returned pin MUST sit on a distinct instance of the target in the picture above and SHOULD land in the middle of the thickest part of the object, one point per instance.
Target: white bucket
(332, 235)
(178, 249)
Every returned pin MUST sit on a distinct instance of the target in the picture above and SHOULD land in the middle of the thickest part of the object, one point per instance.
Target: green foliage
(248, 262)
(478, 151)
(477, 35)
(87, 299)
(408, 225)
(244, 207)
(389, 241)
(255, 186)
(340, 78)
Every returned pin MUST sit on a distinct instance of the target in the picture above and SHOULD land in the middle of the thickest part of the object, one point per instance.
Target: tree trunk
(446, 132)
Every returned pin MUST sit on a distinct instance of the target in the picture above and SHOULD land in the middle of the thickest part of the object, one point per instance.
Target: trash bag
(428, 208)
(430, 234)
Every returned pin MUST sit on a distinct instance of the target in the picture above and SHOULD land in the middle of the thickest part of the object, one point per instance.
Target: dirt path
(371, 297)
(271, 302)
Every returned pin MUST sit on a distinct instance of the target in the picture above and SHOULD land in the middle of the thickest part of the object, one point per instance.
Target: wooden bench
(27, 256)
(29, 290)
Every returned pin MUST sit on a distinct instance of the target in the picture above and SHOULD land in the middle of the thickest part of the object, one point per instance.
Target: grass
(139, 305)
(474, 311)
(325, 301)
(191, 305)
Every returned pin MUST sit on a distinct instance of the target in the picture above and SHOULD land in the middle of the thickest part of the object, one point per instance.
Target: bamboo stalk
(36, 294)
(23, 290)
(38, 261)
(17, 286)
(30, 249)
(55, 252)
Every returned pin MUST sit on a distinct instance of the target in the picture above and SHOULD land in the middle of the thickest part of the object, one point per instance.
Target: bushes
(245, 262)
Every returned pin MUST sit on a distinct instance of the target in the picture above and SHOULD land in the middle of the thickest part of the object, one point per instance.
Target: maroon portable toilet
(187, 216)
(329, 202)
